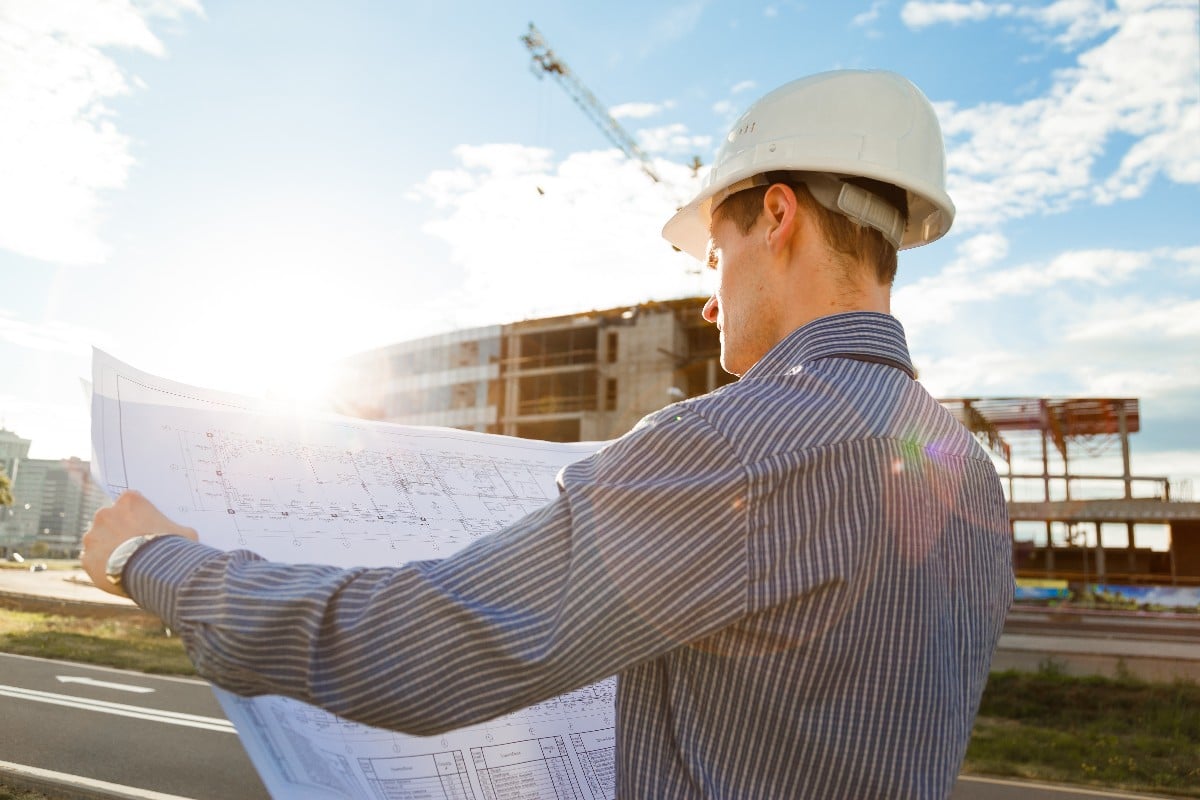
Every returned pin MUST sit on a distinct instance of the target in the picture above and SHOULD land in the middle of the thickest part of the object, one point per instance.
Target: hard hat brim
(688, 229)
(930, 211)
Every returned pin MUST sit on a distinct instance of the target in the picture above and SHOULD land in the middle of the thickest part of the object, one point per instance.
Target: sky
(236, 195)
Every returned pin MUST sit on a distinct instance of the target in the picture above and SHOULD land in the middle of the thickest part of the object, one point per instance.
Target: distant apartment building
(577, 377)
(13, 450)
(54, 501)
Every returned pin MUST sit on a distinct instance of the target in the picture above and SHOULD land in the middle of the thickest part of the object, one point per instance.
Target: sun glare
(303, 389)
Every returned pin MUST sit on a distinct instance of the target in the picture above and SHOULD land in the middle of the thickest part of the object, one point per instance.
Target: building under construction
(1077, 523)
(593, 375)
(578, 377)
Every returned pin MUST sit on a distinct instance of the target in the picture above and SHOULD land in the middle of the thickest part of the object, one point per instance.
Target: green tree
(6, 497)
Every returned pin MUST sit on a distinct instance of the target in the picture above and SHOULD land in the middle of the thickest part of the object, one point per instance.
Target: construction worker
(799, 579)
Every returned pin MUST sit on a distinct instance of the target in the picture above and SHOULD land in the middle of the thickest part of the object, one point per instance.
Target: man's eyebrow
(710, 259)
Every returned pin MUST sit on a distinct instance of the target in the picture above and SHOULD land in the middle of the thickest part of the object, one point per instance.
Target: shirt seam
(745, 510)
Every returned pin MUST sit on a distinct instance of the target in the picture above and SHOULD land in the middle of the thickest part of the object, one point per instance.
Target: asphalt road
(166, 735)
(174, 740)
(970, 788)
(1118, 625)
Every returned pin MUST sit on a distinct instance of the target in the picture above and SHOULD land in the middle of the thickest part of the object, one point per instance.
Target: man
(799, 579)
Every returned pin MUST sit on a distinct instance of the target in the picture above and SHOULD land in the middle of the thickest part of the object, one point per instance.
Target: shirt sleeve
(643, 551)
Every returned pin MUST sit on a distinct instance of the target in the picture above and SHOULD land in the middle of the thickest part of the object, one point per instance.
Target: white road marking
(60, 779)
(53, 663)
(1113, 794)
(124, 687)
(120, 709)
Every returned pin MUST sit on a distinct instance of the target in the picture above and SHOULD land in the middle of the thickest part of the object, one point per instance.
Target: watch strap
(115, 568)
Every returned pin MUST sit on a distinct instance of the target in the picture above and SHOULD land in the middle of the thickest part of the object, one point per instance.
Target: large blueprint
(349, 492)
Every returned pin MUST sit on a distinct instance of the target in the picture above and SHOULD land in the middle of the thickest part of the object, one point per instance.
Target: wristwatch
(115, 569)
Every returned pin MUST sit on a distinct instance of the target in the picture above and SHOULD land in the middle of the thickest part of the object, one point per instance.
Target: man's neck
(830, 291)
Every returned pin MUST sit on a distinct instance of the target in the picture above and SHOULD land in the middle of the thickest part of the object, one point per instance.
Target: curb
(17, 601)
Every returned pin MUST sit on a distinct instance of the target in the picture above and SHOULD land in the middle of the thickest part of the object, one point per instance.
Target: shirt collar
(863, 335)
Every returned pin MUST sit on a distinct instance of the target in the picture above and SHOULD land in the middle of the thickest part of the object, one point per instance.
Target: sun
(302, 388)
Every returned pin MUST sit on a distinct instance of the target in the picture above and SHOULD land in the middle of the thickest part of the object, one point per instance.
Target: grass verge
(129, 642)
(12, 793)
(1119, 733)
(1113, 732)
(20, 794)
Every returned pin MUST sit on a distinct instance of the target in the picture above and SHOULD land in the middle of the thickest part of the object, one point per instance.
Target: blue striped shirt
(799, 579)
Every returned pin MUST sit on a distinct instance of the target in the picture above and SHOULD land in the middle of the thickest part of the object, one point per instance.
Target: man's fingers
(137, 515)
(131, 514)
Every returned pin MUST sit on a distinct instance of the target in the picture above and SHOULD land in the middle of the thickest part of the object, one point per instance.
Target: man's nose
(710, 310)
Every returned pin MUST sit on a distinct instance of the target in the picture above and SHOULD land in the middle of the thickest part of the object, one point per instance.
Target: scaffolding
(1038, 444)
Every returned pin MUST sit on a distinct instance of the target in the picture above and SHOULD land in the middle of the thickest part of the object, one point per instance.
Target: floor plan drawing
(348, 492)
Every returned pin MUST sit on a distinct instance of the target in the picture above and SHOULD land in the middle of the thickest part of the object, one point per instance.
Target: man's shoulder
(707, 412)
(675, 441)
(818, 407)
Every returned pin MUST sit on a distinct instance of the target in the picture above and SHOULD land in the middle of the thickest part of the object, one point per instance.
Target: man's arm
(642, 552)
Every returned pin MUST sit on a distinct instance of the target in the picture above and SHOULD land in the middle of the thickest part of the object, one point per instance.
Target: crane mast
(545, 59)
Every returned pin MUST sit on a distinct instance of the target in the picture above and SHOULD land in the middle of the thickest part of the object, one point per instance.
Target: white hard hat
(847, 123)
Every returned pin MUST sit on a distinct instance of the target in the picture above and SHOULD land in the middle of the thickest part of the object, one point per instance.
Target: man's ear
(780, 209)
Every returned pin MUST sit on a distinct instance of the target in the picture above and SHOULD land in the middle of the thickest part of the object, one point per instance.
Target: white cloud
(1008, 161)
(938, 298)
(673, 138)
(1065, 367)
(1182, 466)
(1093, 267)
(1117, 323)
(507, 162)
(975, 277)
(59, 424)
(983, 249)
(503, 160)
(169, 9)
(921, 15)
(1173, 150)
(51, 336)
(981, 372)
(729, 108)
(637, 110)
(589, 225)
(1126, 344)
(1179, 320)
(866, 17)
(1099, 375)
(870, 15)
(59, 145)
(1082, 19)
(1189, 258)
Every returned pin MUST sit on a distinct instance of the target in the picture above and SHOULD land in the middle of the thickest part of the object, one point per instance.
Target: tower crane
(545, 59)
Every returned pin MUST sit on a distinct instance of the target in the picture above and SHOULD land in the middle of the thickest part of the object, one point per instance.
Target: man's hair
(855, 244)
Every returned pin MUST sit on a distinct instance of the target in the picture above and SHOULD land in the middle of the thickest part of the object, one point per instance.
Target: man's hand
(131, 515)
